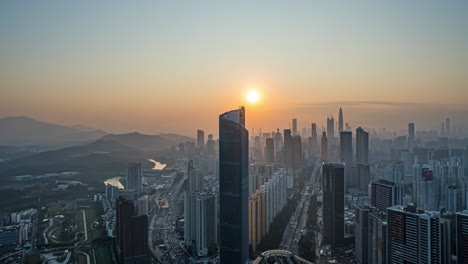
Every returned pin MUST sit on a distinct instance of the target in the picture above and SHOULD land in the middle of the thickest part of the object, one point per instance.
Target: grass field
(70, 218)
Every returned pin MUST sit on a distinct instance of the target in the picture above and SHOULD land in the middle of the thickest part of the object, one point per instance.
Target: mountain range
(23, 131)
(75, 148)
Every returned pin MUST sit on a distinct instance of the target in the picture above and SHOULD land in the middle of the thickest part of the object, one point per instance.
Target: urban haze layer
(303, 194)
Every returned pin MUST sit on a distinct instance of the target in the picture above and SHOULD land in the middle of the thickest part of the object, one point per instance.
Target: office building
(330, 128)
(447, 127)
(360, 176)
(200, 138)
(131, 234)
(134, 176)
(340, 121)
(211, 147)
(314, 135)
(410, 144)
(362, 146)
(324, 147)
(346, 154)
(270, 150)
(288, 157)
(294, 127)
(296, 151)
(333, 204)
(233, 187)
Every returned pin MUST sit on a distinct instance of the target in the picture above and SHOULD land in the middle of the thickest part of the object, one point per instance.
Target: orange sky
(164, 67)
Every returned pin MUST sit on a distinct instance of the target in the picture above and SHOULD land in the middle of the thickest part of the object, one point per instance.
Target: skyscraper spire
(340, 121)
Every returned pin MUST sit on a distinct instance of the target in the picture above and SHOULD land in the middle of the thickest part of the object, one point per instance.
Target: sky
(174, 66)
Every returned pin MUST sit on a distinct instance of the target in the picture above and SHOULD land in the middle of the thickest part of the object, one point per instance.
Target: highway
(298, 221)
(174, 252)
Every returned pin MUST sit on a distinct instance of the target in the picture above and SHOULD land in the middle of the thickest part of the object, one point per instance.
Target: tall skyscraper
(270, 150)
(362, 146)
(346, 154)
(410, 144)
(211, 147)
(314, 135)
(447, 127)
(346, 147)
(294, 126)
(131, 233)
(340, 121)
(288, 158)
(324, 147)
(233, 187)
(200, 138)
(296, 152)
(134, 175)
(278, 141)
(386, 194)
(360, 176)
(413, 235)
(442, 130)
(333, 204)
(330, 128)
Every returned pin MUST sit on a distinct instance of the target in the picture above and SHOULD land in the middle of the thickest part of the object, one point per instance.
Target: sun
(253, 96)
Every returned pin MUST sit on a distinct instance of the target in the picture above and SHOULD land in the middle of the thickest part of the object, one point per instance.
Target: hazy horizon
(158, 67)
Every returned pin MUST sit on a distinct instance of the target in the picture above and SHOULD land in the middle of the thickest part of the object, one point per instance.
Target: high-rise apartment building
(413, 235)
(201, 223)
(384, 194)
(462, 237)
(257, 218)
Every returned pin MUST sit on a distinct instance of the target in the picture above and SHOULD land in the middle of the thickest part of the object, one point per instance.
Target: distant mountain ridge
(91, 156)
(23, 131)
(147, 142)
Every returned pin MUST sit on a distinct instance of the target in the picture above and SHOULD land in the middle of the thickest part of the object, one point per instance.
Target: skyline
(154, 66)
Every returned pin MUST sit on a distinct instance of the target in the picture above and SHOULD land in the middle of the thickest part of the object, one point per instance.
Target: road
(175, 252)
(298, 221)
